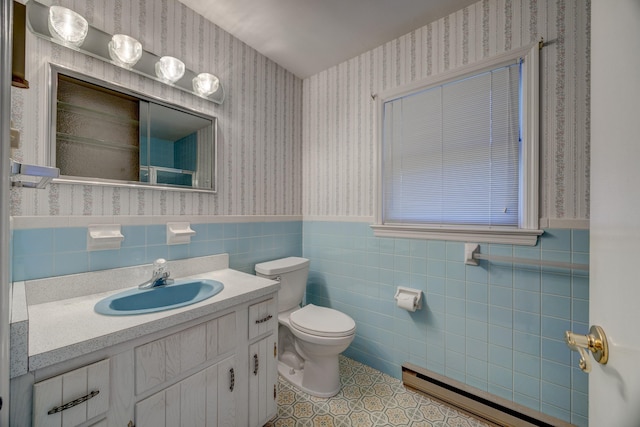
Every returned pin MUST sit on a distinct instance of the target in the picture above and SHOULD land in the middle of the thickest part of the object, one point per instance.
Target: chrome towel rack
(18, 170)
(472, 255)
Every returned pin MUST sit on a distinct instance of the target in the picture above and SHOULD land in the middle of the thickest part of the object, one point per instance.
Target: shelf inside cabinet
(96, 142)
(96, 114)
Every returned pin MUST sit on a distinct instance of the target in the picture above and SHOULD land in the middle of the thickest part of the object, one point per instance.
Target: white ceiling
(309, 36)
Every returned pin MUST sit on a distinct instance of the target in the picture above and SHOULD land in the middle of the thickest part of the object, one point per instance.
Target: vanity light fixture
(169, 69)
(205, 84)
(67, 26)
(124, 50)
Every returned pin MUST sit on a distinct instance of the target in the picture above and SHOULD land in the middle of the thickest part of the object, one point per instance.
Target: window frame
(528, 230)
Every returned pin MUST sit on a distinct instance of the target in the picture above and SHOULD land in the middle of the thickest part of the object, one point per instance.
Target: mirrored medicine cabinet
(102, 133)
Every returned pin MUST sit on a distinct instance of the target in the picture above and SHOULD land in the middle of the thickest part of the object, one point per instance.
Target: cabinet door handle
(255, 364)
(73, 403)
(264, 319)
(232, 381)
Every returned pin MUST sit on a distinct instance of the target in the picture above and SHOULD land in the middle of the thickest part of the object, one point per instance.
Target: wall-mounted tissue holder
(104, 236)
(408, 299)
(179, 233)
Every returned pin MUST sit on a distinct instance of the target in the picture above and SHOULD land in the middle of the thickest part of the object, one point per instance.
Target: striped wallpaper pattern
(339, 112)
(260, 123)
(264, 169)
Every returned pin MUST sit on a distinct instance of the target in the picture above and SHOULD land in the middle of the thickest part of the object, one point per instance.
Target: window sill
(509, 236)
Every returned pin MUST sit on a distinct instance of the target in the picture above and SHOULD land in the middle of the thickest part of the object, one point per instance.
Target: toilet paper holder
(408, 295)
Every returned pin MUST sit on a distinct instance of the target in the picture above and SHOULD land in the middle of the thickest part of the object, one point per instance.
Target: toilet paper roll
(406, 303)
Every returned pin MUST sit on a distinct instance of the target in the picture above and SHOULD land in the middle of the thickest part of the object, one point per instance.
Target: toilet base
(296, 378)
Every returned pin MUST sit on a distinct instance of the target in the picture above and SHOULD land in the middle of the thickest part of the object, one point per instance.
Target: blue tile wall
(498, 327)
(46, 252)
(144, 151)
(185, 152)
(162, 153)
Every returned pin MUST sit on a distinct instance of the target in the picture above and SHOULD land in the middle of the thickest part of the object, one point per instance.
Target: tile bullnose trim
(30, 222)
(573, 223)
(329, 218)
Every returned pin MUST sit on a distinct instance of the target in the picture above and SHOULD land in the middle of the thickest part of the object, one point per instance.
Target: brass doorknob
(595, 340)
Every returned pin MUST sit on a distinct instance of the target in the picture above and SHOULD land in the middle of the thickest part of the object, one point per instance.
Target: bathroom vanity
(212, 363)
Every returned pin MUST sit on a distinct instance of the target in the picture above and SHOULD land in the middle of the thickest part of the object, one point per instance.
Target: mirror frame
(54, 70)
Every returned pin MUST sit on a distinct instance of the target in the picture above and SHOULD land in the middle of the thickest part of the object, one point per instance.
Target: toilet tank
(292, 273)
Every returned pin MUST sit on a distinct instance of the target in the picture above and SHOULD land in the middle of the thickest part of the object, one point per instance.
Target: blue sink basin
(142, 301)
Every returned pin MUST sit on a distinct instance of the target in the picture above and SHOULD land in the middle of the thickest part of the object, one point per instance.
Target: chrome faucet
(159, 277)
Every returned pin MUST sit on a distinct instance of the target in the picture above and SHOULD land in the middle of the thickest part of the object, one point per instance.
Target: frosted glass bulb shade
(204, 84)
(169, 69)
(67, 26)
(125, 51)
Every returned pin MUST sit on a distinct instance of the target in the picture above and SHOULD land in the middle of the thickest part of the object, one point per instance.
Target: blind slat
(451, 153)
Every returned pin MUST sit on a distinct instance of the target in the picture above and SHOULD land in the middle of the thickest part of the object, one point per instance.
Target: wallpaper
(260, 124)
(339, 108)
(263, 167)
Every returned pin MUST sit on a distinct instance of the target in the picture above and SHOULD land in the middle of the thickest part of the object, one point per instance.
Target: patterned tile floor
(367, 398)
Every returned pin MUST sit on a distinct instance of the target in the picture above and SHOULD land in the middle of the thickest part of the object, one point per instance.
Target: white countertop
(61, 330)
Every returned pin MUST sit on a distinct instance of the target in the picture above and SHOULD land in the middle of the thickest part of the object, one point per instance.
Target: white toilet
(310, 338)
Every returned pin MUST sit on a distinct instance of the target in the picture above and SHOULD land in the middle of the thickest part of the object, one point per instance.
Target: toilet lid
(322, 321)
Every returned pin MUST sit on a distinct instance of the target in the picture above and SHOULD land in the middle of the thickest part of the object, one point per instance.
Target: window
(459, 154)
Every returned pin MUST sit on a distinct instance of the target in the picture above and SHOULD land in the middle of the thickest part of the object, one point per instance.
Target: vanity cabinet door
(152, 411)
(72, 398)
(162, 360)
(263, 378)
(263, 318)
(227, 394)
(207, 398)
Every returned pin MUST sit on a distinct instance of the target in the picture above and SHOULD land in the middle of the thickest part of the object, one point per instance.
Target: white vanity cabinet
(190, 366)
(203, 373)
(263, 359)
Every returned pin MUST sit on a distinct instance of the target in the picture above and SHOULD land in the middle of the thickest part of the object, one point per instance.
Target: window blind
(451, 153)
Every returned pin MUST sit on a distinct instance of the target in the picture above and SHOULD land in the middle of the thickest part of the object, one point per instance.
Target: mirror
(102, 133)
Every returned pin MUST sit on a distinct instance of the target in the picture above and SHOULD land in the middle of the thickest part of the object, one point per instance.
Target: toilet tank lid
(283, 265)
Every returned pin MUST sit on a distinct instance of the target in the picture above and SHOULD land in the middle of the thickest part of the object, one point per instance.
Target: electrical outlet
(15, 138)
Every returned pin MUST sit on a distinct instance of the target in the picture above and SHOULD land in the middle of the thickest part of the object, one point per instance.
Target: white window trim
(527, 233)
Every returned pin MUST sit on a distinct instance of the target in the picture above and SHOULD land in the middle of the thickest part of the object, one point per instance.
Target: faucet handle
(160, 266)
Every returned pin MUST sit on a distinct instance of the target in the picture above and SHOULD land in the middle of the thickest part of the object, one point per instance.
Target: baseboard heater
(490, 408)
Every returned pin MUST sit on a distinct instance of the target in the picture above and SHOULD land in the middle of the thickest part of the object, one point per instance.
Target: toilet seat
(322, 321)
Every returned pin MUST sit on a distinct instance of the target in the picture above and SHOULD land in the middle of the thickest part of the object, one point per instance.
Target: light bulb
(169, 69)
(204, 84)
(125, 51)
(67, 26)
